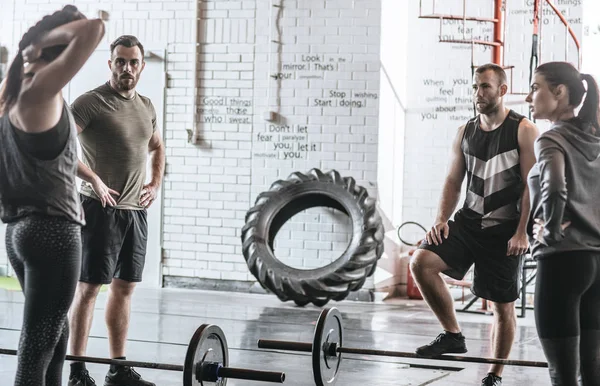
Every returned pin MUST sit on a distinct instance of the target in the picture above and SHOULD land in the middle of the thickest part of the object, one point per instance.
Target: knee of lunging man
(417, 266)
(420, 266)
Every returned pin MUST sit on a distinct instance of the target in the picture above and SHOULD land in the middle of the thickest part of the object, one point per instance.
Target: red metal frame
(499, 21)
(536, 16)
(498, 42)
(498, 51)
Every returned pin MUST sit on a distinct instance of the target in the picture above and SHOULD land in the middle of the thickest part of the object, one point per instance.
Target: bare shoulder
(461, 129)
(460, 133)
(527, 127)
(527, 133)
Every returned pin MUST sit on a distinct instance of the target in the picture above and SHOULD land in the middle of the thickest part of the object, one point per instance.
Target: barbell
(327, 349)
(206, 361)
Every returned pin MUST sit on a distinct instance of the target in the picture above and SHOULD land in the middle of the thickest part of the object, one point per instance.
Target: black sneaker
(125, 376)
(491, 380)
(81, 378)
(443, 344)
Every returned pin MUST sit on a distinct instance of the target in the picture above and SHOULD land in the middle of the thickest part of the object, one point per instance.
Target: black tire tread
(335, 285)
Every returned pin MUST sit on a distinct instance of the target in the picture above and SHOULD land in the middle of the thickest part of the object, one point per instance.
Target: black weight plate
(207, 344)
(329, 329)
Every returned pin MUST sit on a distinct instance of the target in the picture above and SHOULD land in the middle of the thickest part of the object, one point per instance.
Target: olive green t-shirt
(114, 141)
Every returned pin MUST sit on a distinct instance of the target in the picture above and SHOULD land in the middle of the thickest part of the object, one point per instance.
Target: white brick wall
(245, 154)
(392, 107)
(591, 38)
(165, 23)
(211, 184)
(439, 78)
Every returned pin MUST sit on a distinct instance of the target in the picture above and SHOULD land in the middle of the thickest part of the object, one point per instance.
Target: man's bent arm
(527, 135)
(448, 201)
(525, 207)
(453, 182)
(157, 151)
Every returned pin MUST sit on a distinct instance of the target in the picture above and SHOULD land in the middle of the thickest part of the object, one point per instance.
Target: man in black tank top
(495, 152)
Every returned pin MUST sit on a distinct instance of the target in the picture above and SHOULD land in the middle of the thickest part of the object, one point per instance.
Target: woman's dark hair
(14, 77)
(565, 73)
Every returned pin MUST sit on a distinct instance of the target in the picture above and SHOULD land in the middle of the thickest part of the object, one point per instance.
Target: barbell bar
(327, 349)
(206, 361)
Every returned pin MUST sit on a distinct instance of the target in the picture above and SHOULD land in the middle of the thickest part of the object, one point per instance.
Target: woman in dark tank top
(564, 186)
(38, 192)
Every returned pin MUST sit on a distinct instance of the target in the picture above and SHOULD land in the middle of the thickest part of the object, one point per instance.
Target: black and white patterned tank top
(494, 181)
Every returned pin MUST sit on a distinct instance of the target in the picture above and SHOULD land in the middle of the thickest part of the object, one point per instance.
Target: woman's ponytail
(591, 105)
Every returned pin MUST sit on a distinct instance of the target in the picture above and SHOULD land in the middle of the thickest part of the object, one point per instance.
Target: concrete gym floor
(163, 321)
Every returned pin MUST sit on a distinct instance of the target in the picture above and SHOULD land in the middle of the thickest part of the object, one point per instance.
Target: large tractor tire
(286, 198)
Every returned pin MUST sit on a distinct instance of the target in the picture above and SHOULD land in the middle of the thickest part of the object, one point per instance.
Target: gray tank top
(29, 185)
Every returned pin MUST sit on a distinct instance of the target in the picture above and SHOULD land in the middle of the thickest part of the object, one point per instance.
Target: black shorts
(114, 243)
(496, 276)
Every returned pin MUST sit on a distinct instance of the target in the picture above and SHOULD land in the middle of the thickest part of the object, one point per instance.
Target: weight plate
(329, 330)
(207, 344)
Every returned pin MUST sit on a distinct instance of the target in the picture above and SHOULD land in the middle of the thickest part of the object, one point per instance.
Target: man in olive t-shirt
(117, 129)
(114, 141)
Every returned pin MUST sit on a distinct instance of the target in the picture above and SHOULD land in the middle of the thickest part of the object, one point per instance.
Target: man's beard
(125, 84)
(488, 108)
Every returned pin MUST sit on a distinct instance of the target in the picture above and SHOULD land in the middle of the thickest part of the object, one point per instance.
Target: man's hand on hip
(148, 196)
(104, 192)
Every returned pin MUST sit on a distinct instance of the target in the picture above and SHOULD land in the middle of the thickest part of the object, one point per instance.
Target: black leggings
(45, 253)
(567, 316)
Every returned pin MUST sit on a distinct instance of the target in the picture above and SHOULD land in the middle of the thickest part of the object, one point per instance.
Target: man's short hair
(500, 73)
(127, 41)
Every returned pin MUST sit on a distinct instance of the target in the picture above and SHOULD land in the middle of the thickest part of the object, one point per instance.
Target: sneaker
(443, 344)
(81, 378)
(125, 376)
(491, 380)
